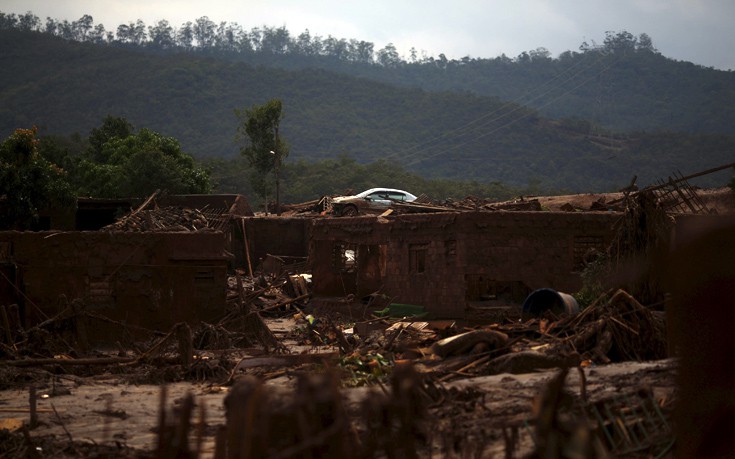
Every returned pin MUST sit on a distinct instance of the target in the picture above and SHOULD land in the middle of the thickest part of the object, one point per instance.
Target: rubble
(277, 374)
(414, 358)
(164, 219)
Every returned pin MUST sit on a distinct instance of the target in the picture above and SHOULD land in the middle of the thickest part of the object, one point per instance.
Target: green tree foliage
(28, 182)
(63, 151)
(113, 127)
(121, 163)
(264, 147)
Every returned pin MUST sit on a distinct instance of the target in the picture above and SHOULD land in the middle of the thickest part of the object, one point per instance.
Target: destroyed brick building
(91, 214)
(150, 280)
(458, 264)
(454, 263)
(151, 269)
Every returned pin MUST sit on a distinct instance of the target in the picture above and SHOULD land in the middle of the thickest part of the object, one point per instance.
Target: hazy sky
(699, 31)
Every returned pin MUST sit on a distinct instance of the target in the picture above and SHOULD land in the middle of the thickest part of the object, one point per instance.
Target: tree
(362, 51)
(645, 43)
(389, 57)
(275, 40)
(51, 25)
(162, 35)
(113, 127)
(336, 48)
(99, 35)
(28, 182)
(620, 42)
(83, 27)
(29, 21)
(185, 35)
(228, 36)
(8, 21)
(302, 44)
(264, 149)
(540, 53)
(204, 31)
(121, 163)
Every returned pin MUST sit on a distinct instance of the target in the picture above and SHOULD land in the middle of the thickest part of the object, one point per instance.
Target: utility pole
(277, 154)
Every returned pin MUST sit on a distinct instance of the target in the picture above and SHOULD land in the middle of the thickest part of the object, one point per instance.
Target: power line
(455, 147)
(517, 104)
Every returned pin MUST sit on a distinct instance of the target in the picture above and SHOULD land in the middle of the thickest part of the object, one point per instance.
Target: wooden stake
(32, 403)
(220, 443)
(247, 246)
(6, 325)
(80, 321)
(186, 348)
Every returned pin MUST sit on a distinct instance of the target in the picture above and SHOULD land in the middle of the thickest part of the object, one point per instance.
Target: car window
(397, 196)
(377, 195)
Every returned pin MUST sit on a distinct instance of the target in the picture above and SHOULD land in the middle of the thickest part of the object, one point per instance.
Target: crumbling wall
(149, 280)
(277, 236)
(445, 261)
(542, 249)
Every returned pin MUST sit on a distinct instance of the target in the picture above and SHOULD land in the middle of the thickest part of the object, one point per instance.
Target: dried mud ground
(107, 409)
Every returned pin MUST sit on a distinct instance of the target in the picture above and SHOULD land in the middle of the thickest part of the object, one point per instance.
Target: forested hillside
(434, 117)
(623, 84)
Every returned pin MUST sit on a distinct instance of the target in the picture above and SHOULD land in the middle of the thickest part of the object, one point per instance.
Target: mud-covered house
(149, 280)
(150, 270)
(455, 263)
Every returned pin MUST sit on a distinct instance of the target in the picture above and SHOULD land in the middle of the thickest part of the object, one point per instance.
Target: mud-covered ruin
(454, 264)
(189, 327)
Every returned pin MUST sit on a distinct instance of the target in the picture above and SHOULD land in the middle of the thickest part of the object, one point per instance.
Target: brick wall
(150, 280)
(445, 261)
(280, 236)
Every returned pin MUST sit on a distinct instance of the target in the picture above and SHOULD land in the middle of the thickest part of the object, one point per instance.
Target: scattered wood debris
(164, 219)
(269, 332)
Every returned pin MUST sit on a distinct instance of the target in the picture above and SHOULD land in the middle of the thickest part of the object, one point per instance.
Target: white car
(375, 199)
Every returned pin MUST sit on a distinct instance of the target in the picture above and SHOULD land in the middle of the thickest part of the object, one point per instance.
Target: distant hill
(627, 90)
(438, 131)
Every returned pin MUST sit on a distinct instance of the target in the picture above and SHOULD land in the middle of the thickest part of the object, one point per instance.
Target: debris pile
(410, 361)
(630, 424)
(168, 219)
(150, 216)
(610, 330)
(618, 329)
(615, 328)
(473, 203)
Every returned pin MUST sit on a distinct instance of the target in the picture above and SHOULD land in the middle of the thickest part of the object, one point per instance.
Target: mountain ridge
(67, 87)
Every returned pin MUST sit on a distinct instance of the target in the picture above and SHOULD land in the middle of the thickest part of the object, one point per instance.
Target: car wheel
(349, 211)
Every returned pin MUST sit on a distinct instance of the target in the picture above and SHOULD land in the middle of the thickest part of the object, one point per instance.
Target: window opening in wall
(450, 249)
(204, 276)
(584, 249)
(5, 250)
(345, 257)
(417, 257)
(100, 292)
